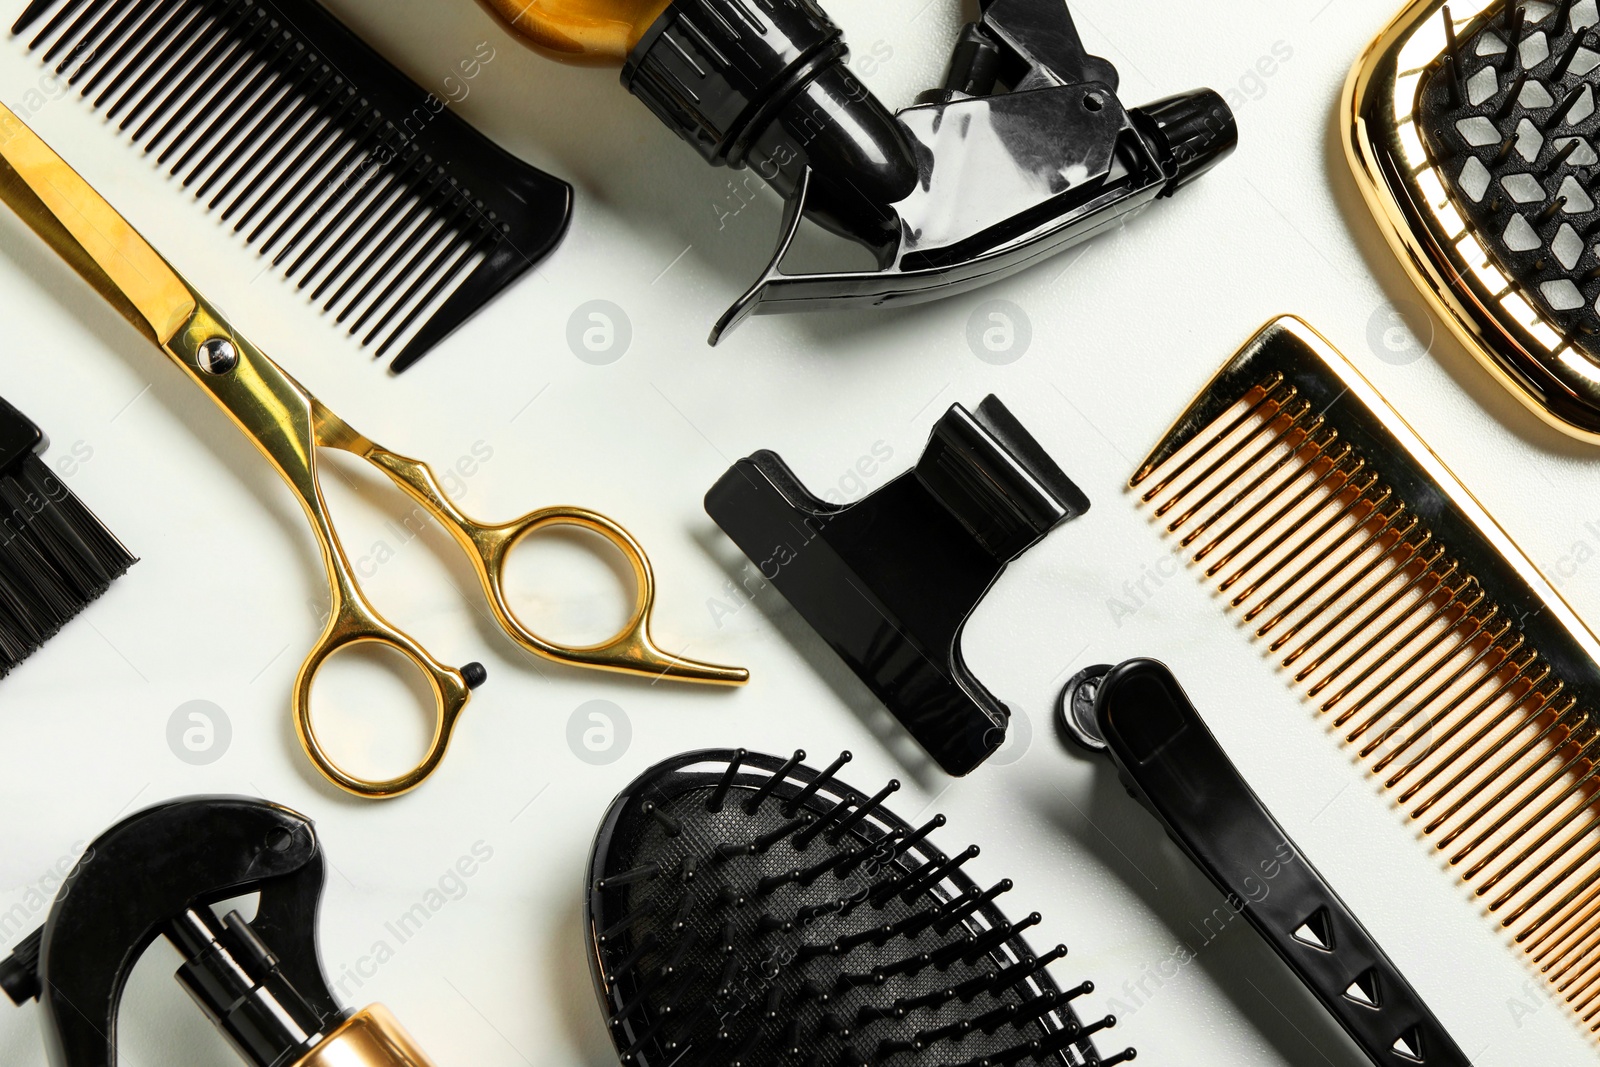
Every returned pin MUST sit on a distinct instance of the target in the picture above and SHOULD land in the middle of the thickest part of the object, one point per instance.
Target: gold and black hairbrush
(1473, 136)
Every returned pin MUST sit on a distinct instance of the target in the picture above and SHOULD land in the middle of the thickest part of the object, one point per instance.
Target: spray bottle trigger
(794, 212)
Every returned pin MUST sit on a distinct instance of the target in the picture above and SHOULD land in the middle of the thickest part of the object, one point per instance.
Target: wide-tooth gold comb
(1464, 680)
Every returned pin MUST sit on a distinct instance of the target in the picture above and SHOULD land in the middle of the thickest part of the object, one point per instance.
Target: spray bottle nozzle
(1023, 152)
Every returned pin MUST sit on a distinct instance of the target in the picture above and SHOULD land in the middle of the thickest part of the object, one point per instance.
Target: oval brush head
(749, 911)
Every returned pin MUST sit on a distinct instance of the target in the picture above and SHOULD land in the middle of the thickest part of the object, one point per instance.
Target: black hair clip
(1138, 715)
(890, 581)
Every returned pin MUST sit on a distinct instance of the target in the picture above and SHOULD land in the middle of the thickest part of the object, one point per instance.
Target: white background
(226, 598)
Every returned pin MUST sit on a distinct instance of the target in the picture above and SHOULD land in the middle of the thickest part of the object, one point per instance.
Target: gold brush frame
(1499, 324)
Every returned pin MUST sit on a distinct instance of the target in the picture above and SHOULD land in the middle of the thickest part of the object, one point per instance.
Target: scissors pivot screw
(217, 356)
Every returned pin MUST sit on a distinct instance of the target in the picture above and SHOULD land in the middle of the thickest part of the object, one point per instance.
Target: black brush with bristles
(55, 556)
(750, 911)
(390, 212)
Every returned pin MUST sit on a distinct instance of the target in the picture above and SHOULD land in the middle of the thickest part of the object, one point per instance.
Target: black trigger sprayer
(157, 874)
(1023, 152)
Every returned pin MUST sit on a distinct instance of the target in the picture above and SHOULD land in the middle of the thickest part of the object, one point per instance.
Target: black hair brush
(55, 556)
(747, 910)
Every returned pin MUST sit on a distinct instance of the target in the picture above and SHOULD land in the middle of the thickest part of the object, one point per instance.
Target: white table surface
(227, 596)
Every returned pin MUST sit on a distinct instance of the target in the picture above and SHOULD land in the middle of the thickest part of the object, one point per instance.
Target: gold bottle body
(595, 32)
(370, 1038)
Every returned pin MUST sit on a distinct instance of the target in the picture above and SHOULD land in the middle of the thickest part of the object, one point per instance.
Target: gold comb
(1411, 618)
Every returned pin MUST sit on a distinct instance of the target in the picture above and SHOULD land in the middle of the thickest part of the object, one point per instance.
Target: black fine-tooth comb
(749, 911)
(392, 213)
(1440, 653)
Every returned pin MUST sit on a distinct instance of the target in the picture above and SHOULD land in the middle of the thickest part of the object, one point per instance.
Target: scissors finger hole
(373, 710)
(571, 585)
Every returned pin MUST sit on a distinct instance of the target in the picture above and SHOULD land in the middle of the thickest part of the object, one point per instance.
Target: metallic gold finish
(1261, 394)
(1572, 924)
(1526, 800)
(1556, 909)
(1527, 827)
(1307, 438)
(1335, 463)
(1336, 470)
(1463, 640)
(1267, 446)
(1373, 616)
(1550, 884)
(131, 266)
(371, 1038)
(1283, 463)
(1373, 508)
(1394, 648)
(1394, 703)
(1349, 557)
(1494, 723)
(1578, 934)
(1506, 765)
(1485, 676)
(1354, 580)
(288, 425)
(1265, 425)
(1278, 542)
(1451, 268)
(596, 32)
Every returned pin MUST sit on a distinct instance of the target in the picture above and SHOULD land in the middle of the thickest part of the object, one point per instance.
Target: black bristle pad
(55, 557)
(738, 922)
(1515, 130)
(354, 180)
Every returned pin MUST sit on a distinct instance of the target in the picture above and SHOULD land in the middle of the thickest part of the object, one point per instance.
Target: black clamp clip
(1138, 716)
(890, 581)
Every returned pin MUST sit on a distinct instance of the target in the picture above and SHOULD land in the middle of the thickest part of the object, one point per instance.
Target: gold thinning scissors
(288, 424)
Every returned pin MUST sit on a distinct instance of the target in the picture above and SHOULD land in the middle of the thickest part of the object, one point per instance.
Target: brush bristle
(747, 911)
(55, 557)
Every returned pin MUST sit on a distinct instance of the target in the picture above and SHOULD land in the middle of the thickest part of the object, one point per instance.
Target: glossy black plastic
(19, 436)
(744, 909)
(890, 581)
(157, 873)
(1174, 766)
(1023, 152)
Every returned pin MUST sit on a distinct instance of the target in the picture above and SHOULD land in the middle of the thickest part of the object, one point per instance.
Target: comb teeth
(1509, 114)
(1384, 601)
(841, 937)
(395, 218)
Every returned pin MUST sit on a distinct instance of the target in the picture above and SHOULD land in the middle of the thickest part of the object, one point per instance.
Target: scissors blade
(88, 233)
